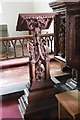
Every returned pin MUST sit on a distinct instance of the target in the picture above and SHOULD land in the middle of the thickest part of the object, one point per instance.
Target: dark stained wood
(72, 39)
(66, 30)
(59, 32)
(64, 22)
(11, 96)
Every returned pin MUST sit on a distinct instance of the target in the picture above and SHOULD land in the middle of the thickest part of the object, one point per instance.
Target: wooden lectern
(38, 48)
(41, 88)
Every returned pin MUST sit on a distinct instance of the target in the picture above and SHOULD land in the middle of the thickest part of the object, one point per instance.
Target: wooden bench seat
(16, 75)
(14, 62)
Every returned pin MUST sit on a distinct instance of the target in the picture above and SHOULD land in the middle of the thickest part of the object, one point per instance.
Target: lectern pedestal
(41, 88)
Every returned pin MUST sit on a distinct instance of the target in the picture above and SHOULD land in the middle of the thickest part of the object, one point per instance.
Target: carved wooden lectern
(38, 48)
(41, 86)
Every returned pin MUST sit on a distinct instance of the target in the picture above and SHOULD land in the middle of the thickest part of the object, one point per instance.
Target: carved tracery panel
(39, 52)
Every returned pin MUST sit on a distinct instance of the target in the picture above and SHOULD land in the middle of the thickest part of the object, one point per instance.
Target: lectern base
(41, 100)
(39, 85)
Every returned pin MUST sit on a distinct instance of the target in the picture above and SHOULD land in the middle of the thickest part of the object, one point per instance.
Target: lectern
(41, 88)
(38, 48)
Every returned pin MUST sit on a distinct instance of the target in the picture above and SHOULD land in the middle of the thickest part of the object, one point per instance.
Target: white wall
(9, 16)
(10, 11)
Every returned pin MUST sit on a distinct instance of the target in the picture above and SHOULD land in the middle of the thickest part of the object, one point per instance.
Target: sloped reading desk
(41, 88)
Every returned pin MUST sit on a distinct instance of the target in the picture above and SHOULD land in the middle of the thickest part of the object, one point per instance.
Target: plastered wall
(10, 11)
